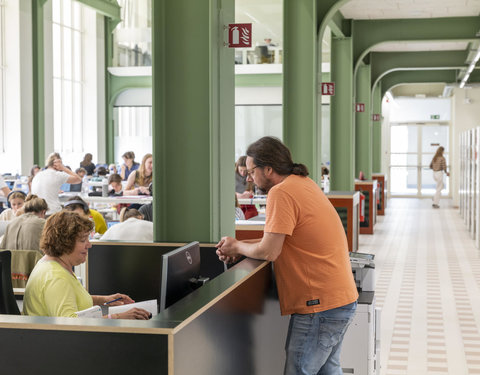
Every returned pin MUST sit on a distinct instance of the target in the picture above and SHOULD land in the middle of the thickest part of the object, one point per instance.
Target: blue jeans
(314, 341)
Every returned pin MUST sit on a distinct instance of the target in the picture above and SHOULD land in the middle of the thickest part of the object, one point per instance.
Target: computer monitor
(180, 274)
(111, 224)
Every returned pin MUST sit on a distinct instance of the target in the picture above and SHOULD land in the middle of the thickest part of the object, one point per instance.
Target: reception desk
(369, 189)
(347, 204)
(382, 191)
(231, 325)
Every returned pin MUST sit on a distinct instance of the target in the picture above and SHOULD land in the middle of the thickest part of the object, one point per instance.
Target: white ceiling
(378, 9)
(420, 46)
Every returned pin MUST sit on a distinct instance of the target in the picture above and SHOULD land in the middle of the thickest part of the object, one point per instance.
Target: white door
(412, 147)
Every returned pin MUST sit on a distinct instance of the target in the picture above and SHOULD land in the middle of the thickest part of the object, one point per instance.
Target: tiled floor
(428, 287)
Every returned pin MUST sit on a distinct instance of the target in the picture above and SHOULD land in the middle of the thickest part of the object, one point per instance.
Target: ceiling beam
(369, 33)
(401, 77)
(385, 62)
(340, 28)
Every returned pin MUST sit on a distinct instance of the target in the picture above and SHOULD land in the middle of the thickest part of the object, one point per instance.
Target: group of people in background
(39, 221)
(26, 213)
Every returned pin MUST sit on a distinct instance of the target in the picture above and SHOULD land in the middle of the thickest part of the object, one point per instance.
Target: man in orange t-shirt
(305, 238)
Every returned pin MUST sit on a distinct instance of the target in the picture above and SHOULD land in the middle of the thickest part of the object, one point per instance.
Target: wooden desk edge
(124, 326)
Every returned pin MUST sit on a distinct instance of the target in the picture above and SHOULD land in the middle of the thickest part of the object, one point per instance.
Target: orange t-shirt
(313, 271)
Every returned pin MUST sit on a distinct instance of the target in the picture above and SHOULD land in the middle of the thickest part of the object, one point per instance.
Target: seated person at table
(87, 164)
(35, 169)
(115, 181)
(78, 187)
(138, 181)
(112, 169)
(129, 165)
(239, 215)
(16, 199)
(46, 184)
(3, 186)
(23, 232)
(131, 228)
(77, 204)
(53, 289)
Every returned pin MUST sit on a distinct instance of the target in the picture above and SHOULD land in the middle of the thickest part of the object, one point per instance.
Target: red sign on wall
(376, 117)
(360, 107)
(239, 35)
(328, 88)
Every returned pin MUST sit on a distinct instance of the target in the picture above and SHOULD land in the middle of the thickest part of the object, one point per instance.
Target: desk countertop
(141, 199)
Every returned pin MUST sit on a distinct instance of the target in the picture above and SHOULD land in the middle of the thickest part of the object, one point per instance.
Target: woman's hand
(143, 190)
(133, 314)
(101, 300)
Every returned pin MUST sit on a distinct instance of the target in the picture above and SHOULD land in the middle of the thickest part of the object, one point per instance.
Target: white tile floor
(428, 286)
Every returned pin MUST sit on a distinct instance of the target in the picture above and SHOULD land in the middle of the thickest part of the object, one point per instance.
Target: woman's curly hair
(61, 231)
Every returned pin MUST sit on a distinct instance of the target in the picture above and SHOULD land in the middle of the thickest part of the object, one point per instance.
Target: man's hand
(227, 252)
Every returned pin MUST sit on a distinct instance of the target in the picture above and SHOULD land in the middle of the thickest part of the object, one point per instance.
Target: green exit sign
(434, 117)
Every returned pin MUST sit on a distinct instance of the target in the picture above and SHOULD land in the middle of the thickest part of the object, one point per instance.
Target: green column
(110, 25)
(377, 130)
(38, 82)
(300, 81)
(193, 120)
(341, 105)
(363, 123)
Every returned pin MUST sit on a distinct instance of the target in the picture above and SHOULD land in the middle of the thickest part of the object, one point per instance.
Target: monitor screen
(65, 187)
(111, 224)
(178, 267)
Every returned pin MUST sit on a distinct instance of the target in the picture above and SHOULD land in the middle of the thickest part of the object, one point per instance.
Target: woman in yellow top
(77, 204)
(53, 289)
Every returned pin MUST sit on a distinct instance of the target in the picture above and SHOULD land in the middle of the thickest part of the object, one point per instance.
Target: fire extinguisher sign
(239, 35)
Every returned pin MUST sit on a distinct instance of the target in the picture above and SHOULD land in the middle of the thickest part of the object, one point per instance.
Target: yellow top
(53, 291)
(100, 224)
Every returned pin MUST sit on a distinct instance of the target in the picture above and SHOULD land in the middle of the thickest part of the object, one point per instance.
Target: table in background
(369, 189)
(347, 204)
(382, 189)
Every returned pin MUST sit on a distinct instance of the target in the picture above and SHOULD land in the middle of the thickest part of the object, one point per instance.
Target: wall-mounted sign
(360, 107)
(328, 88)
(376, 117)
(434, 117)
(239, 35)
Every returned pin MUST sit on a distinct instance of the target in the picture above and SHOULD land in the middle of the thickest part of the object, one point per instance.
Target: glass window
(403, 180)
(266, 18)
(133, 131)
(2, 76)
(403, 138)
(67, 34)
(133, 36)
(253, 122)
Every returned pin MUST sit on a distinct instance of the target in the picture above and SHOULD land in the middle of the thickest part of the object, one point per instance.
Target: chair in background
(23, 263)
(8, 304)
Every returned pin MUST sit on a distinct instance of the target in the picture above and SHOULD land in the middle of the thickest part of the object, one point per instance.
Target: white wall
(466, 116)
(419, 109)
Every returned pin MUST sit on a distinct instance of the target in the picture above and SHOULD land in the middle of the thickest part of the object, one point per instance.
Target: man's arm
(6, 190)
(73, 178)
(269, 248)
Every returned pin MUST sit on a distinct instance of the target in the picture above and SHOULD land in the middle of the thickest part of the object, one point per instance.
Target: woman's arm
(100, 300)
(130, 182)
